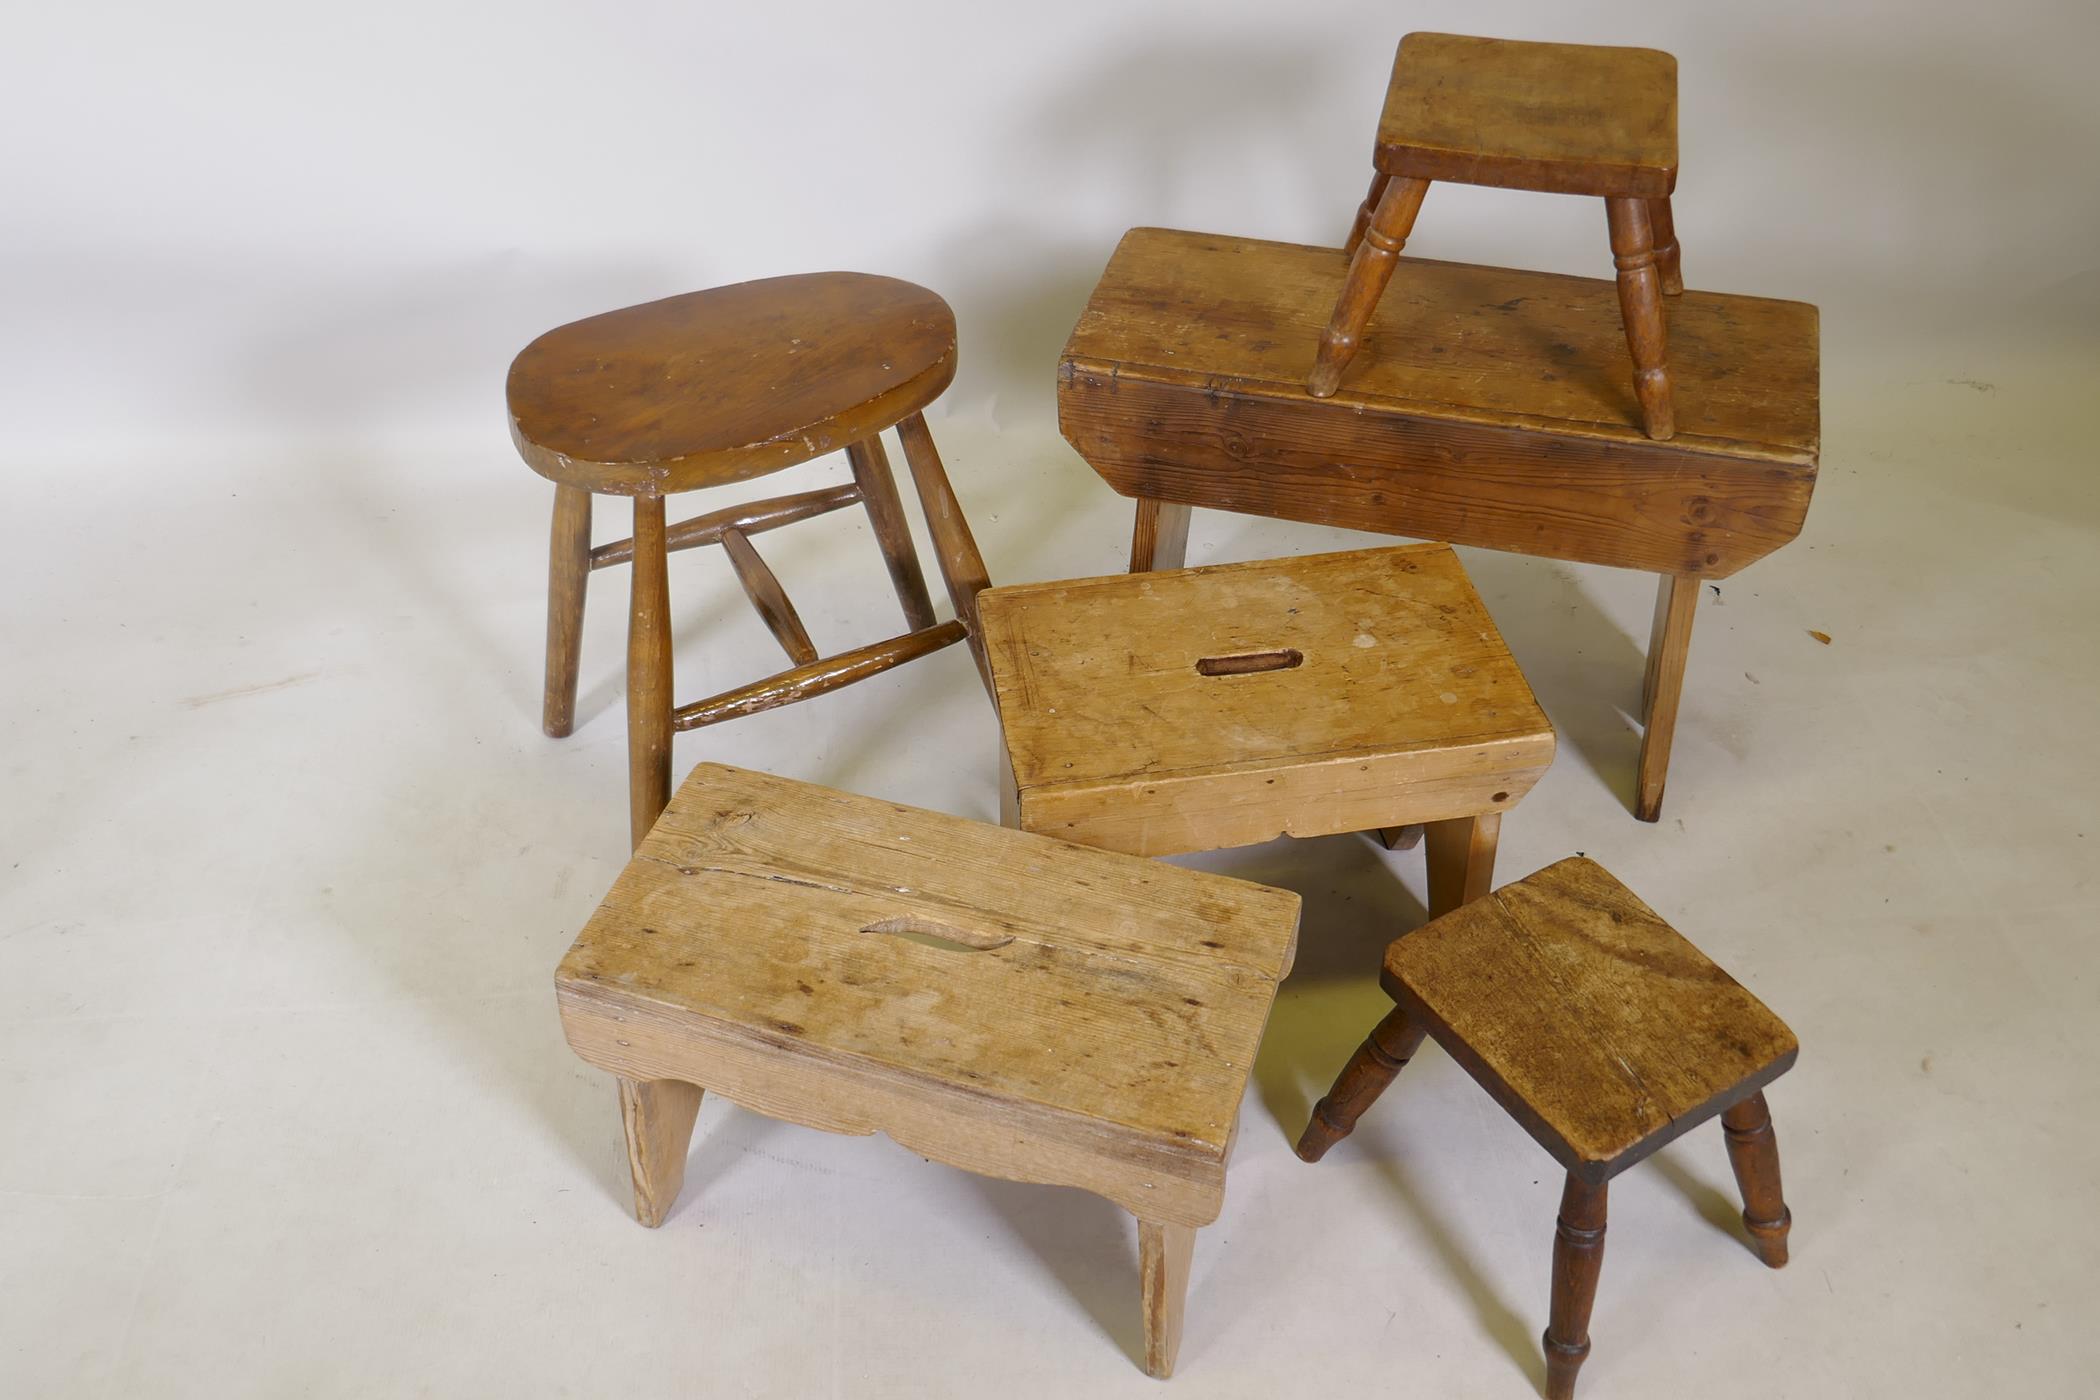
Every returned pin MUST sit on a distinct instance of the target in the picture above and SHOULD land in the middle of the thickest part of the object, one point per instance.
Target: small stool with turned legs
(1557, 118)
(717, 387)
(1601, 1030)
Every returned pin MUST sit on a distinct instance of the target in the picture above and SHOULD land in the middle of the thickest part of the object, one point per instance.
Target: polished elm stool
(1605, 1033)
(1499, 419)
(1560, 118)
(717, 387)
(1190, 710)
(1000, 1002)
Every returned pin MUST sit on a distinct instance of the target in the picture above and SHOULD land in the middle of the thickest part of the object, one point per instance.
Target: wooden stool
(1183, 385)
(1601, 1030)
(722, 386)
(1186, 711)
(1561, 118)
(999, 1002)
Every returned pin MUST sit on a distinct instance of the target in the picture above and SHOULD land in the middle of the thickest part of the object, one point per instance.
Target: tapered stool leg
(955, 548)
(1578, 1256)
(1384, 1053)
(1668, 645)
(568, 572)
(1370, 268)
(1753, 1150)
(1640, 306)
(648, 672)
(878, 495)
(1668, 261)
(1461, 860)
(658, 1116)
(1159, 538)
(1164, 1252)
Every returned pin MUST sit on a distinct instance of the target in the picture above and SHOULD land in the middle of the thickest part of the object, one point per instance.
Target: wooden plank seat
(1490, 409)
(1000, 1002)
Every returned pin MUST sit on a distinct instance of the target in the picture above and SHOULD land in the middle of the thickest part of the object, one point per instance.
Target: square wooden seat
(1492, 413)
(1183, 711)
(1000, 1002)
(1602, 1030)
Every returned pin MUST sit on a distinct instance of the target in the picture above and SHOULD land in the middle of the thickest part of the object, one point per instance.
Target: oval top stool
(717, 387)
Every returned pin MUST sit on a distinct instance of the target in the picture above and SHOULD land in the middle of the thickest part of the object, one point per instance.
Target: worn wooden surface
(1563, 118)
(657, 1115)
(1489, 407)
(1662, 689)
(729, 383)
(994, 1000)
(1159, 536)
(1164, 1252)
(1595, 1024)
(1166, 712)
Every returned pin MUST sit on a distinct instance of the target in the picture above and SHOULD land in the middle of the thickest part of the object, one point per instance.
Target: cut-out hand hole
(1249, 663)
(933, 934)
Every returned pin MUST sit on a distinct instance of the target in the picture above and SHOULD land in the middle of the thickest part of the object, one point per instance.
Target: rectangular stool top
(1598, 1026)
(1037, 990)
(1184, 710)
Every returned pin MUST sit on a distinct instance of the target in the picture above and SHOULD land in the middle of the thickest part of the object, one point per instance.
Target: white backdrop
(232, 223)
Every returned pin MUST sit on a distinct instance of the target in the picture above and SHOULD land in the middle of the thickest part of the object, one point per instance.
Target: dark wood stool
(1558, 118)
(1605, 1033)
(722, 386)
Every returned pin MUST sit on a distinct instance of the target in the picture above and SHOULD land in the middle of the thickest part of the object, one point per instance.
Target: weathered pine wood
(1164, 1252)
(762, 375)
(955, 549)
(750, 518)
(1676, 599)
(1753, 1152)
(878, 491)
(1159, 538)
(763, 588)
(1490, 407)
(1578, 1257)
(1640, 310)
(1462, 858)
(1370, 1071)
(1161, 713)
(648, 670)
(568, 575)
(817, 677)
(1371, 265)
(658, 1115)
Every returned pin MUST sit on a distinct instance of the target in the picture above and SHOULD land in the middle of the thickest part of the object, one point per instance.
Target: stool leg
(1640, 306)
(1384, 1053)
(1163, 1267)
(1366, 211)
(878, 494)
(1676, 599)
(568, 571)
(1668, 260)
(1370, 268)
(1753, 1150)
(648, 672)
(955, 549)
(1461, 860)
(658, 1116)
(1578, 1256)
(1160, 537)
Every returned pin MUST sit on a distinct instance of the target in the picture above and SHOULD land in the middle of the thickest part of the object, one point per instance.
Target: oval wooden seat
(727, 384)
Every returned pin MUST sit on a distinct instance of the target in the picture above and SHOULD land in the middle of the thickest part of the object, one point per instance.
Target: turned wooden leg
(1370, 268)
(1676, 599)
(1668, 263)
(1640, 306)
(962, 568)
(568, 571)
(1163, 1266)
(1366, 211)
(1578, 1255)
(878, 494)
(1753, 1150)
(648, 672)
(1461, 860)
(1160, 537)
(658, 1115)
(1384, 1053)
